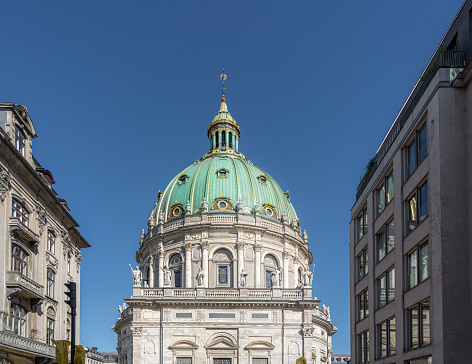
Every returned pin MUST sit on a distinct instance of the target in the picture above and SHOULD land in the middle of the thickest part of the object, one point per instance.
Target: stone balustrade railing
(16, 279)
(202, 293)
(11, 340)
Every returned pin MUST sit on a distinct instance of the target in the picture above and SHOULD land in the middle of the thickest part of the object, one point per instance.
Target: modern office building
(410, 245)
(40, 247)
(223, 274)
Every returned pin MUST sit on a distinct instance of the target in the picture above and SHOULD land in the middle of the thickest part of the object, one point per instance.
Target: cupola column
(236, 144)
(240, 245)
(286, 255)
(213, 138)
(219, 139)
(160, 253)
(257, 271)
(233, 141)
(151, 272)
(205, 247)
(188, 265)
(227, 137)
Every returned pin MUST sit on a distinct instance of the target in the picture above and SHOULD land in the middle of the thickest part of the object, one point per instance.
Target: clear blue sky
(121, 94)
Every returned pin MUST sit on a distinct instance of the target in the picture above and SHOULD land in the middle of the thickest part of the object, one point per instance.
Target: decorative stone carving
(167, 275)
(188, 207)
(205, 245)
(257, 208)
(137, 331)
(161, 218)
(204, 206)
(240, 245)
(243, 278)
(150, 347)
(257, 247)
(121, 308)
(5, 184)
(51, 260)
(305, 237)
(65, 237)
(196, 236)
(188, 246)
(294, 223)
(284, 217)
(239, 206)
(308, 332)
(286, 254)
(42, 218)
(200, 275)
(247, 236)
(137, 276)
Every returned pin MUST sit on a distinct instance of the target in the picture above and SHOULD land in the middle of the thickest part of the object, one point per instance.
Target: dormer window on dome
(183, 179)
(222, 173)
(269, 210)
(222, 203)
(176, 209)
(262, 179)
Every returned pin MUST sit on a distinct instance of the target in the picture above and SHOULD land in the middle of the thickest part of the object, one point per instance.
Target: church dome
(224, 181)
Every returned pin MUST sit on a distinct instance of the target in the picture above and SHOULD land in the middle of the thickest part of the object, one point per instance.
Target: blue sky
(121, 94)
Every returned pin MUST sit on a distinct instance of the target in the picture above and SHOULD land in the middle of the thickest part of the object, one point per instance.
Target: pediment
(260, 345)
(183, 344)
(221, 343)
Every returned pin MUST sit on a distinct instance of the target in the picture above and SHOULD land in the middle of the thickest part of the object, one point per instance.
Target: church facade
(223, 274)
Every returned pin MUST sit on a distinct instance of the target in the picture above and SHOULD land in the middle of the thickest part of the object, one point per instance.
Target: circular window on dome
(222, 205)
(269, 211)
(176, 210)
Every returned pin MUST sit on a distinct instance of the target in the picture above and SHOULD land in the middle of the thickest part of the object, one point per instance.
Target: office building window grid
(385, 240)
(386, 288)
(384, 194)
(418, 265)
(417, 207)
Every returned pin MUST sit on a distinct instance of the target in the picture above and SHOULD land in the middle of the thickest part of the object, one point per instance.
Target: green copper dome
(224, 181)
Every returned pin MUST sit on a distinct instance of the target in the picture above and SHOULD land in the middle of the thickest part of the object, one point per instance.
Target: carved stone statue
(121, 308)
(239, 206)
(143, 235)
(284, 217)
(327, 313)
(200, 276)
(137, 276)
(243, 278)
(204, 206)
(307, 278)
(161, 217)
(294, 223)
(257, 208)
(188, 208)
(276, 277)
(305, 237)
(167, 275)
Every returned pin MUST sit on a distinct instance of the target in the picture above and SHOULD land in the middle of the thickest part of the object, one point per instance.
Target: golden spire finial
(223, 77)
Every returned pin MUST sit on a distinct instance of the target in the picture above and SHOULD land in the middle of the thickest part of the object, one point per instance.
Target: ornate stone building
(40, 247)
(223, 275)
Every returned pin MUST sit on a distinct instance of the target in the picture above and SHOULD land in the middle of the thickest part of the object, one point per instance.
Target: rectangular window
(417, 150)
(177, 278)
(260, 361)
(184, 360)
(419, 325)
(362, 264)
(17, 320)
(50, 283)
(268, 279)
(427, 360)
(418, 265)
(362, 305)
(51, 245)
(386, 288)
(386, 338)
(50, 331)
(417, 207)
(223, 274)
(384, 193)
(20, 141)
(361, 224)
(363, 347)
(385, 241)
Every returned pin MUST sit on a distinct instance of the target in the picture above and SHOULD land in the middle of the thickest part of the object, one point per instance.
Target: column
(233, 142)
(237, 143)
(151, 271)
(286, 255)
(188, 265)
(161, 265)
(213, 138)
(240, 245)
(295, 272)
(257, 269)
(227, 137)
(219, 137)
(205, 247)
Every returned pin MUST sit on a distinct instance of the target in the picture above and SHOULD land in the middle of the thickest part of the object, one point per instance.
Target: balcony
(23, 344)
(17, 227)
(29, 288)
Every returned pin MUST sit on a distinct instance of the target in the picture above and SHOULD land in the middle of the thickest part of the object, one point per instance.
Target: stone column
(237, 142)
(257, 270)
(161, 265)
(205, 247)
(219, 138)
(286, 255)
(188, 265)
(227, 137)
(295, 272)
(151, 271)
(240, 245)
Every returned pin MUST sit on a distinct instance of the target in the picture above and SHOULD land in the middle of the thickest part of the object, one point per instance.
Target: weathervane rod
(223, 77)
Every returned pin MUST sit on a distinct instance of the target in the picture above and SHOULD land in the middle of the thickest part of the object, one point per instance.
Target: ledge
(16, 226)
(29, 288)
(23, 344)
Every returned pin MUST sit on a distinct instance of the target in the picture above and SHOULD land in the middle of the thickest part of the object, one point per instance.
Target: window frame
(389, 273)
(362, 220)
(412, 214)
(17, 319)
(415, 161)
(51, 242)
(363, 343)
(228, 274)
(418, 272)
(420, 323)
(20, 141)
(362, 305)
(50, 328)
(362, 269)
(388, 336)
(19, 210)
(382, 238)
(50, 282)
(20, 261)
(382, 193)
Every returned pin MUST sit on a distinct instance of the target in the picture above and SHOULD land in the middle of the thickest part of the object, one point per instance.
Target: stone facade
(41, 246)
(410, 249)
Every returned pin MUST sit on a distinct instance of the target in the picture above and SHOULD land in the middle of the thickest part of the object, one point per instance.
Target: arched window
(17, 320)
(216, 139)
(19, 211)
(223, 260)
(51, 276)
(175, 265)
(19, 260)
(223, 138)
(51, 242)
(270, 267)
(51, 323)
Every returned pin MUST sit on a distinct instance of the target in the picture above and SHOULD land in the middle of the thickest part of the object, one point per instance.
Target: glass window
(19, 211)
(419, 325)
(50, 331)
(384, 193)
(362, 264)
(386, 338)
(363, 347)
(361, 224)
(268, 278)
(17, 320)
(50, 283)
(417, 207)
(363, 305)
(222, 274)
(260, 361)
(184, 360)
(68, 263)
(417, 150)
(51, 242)
(418, 265)
(221, 361)
(20, 141)
(19, 260)
(385, 241)
(386, 288)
